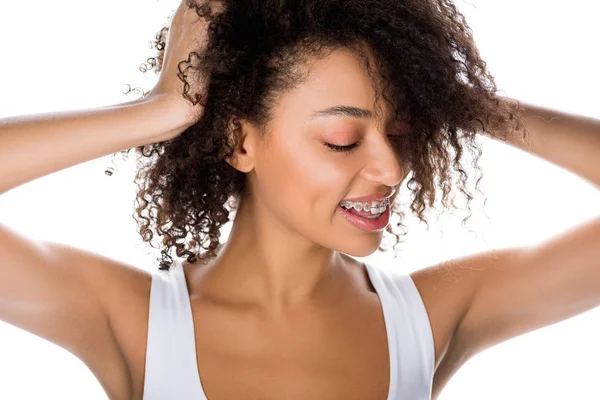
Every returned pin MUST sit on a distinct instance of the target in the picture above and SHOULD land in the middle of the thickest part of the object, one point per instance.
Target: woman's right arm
(69, 296)
(37, 145)
(55, 291)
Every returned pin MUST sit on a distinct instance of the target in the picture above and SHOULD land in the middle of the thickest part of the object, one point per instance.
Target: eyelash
(342, 149)
(350, 147)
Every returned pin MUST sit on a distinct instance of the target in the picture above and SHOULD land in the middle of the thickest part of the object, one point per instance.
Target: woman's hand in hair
(180, 83)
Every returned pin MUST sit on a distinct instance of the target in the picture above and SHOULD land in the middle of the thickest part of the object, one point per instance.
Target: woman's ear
(242, 136)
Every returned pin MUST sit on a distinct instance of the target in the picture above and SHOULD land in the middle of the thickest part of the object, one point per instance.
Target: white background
(67, 55)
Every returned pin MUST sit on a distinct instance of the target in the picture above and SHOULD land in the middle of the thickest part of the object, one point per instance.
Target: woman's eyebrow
(342, 111)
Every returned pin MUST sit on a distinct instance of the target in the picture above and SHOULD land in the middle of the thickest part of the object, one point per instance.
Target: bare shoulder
(124, 287)
(124, 290)
(447, 290)
(75, 298)
(126, 297)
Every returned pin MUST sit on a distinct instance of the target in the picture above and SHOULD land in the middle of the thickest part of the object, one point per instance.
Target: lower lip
(367, 224)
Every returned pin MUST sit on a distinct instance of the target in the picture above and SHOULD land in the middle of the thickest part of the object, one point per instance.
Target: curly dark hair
(432, 77)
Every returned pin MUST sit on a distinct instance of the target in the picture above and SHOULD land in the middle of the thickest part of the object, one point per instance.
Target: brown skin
(97, 308)
(288, 236)
(302, 230)
(186, 34)
(188, 186)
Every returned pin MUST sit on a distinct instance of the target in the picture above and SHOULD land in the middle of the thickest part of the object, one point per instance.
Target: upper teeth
(373, 207)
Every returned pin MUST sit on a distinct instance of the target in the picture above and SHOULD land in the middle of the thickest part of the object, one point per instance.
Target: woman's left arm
(570, 141)
(519, 289)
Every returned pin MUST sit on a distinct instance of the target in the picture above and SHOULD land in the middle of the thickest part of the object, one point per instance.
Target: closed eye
(343, 149)
(353, 146)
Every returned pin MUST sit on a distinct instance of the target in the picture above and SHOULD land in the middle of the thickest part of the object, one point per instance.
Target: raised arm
(37, 145)
(529, 288)
(570, 141)
(515, 290)
(56, 291)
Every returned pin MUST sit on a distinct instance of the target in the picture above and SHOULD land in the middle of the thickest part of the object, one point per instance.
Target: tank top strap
(171, 369)
(413, 349)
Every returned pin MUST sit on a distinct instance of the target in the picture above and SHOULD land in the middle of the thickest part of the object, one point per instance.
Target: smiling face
(325, 145)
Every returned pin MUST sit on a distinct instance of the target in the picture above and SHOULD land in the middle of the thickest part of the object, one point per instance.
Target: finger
(185, 10)
(196, 8)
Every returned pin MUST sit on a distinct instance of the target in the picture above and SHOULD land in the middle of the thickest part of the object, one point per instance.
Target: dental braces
(366, 206)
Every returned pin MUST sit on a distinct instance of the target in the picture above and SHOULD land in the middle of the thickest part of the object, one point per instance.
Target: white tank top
(171, 370)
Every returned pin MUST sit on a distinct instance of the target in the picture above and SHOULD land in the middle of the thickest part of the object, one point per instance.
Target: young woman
(303, 119)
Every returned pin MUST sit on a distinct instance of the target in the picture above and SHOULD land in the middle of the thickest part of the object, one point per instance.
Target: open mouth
(366, 220)
(371, 210)
(365, 213)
